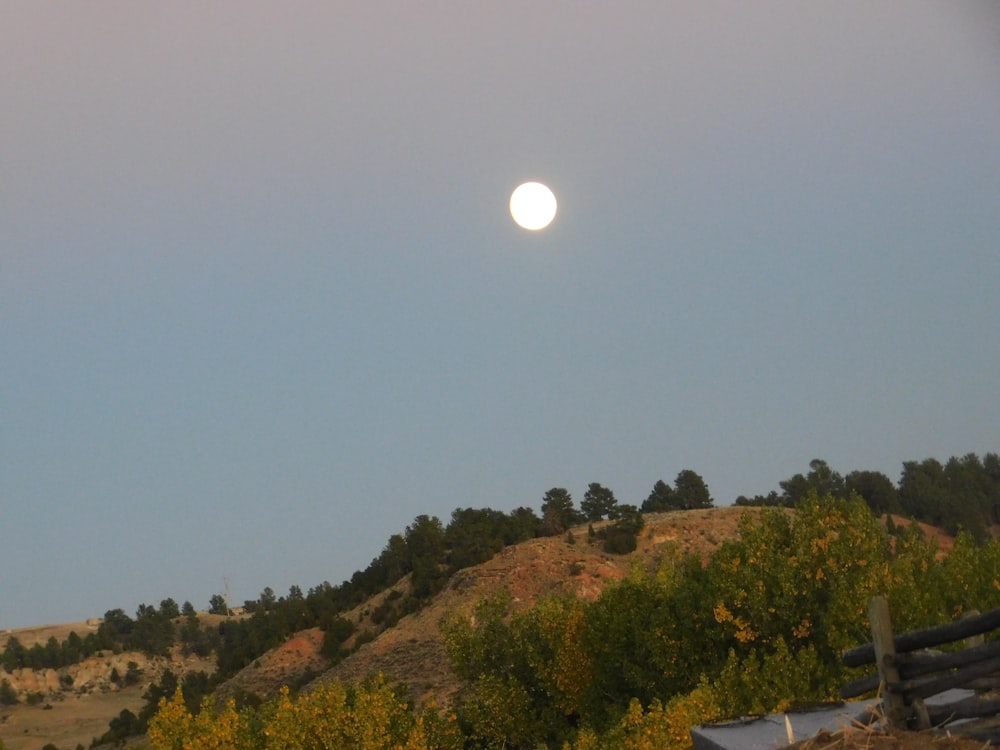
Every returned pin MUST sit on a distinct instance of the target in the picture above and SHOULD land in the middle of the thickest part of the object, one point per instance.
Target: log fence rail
(908, 675)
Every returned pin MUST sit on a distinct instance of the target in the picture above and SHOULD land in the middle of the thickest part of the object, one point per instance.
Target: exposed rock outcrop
(102, 673)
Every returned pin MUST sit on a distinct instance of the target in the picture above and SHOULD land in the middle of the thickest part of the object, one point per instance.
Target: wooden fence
(908, 674)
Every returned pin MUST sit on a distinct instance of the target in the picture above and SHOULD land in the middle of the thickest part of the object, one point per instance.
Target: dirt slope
(412, 652)
(74, 704)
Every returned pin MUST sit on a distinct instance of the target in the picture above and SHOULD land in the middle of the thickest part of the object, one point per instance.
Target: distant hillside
(72, 705)
(412, 651)
(409, 651)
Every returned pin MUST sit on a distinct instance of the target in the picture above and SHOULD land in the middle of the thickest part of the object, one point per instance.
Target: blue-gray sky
(261, 301)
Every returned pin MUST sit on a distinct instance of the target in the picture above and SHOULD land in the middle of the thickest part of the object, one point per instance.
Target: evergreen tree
(598, 503)
(821, 479)
(876, 489)
(217, 605)
(691, 491)
(558, 512)
(660, 499)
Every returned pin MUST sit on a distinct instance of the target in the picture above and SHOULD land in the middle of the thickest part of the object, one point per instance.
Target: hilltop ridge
(412, 651)
(409, 651)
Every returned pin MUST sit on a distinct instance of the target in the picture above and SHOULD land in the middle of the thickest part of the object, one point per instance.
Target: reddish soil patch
(932, 534)
(412, 653)
(294, 661)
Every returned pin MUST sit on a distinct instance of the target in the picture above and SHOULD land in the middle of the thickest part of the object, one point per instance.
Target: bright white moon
(533, 206)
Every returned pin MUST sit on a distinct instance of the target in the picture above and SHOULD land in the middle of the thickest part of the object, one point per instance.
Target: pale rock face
(50, 681)
(90, 675)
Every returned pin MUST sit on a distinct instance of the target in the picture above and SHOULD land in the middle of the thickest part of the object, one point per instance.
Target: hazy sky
(262, 303)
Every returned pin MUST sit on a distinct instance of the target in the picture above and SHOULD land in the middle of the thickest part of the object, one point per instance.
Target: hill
(411, 652)
(72, 705)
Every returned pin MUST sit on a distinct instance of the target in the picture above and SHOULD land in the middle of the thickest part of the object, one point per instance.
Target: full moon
(533, 206)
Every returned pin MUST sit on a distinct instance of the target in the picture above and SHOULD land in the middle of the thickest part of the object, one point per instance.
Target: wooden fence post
(885, 650)
(973, 640)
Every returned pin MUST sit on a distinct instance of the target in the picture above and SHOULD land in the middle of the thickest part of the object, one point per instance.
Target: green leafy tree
(527, 672)
(804, 577)
(634, 656)
(768, 680)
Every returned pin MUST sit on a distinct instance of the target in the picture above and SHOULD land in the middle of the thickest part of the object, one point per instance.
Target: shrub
(8, 695)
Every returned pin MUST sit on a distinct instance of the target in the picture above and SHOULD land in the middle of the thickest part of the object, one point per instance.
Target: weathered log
(970, 708)
(985, 684)
(984, 730)
(860, 686)
(917, 664)
(910, 689)
(917, 639)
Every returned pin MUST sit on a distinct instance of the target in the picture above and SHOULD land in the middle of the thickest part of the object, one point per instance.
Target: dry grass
(873, 736)
(856, 738)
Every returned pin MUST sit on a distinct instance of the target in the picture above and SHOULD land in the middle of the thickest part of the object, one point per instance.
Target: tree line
(961, 494)
(430, 552)
(151, 632)
(756, 628)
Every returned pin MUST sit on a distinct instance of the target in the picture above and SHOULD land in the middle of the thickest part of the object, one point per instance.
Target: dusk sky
(262, 302)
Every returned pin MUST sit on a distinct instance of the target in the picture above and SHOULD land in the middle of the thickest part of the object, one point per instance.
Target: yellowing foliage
(327, 718)
(759, 626)
(659, 727)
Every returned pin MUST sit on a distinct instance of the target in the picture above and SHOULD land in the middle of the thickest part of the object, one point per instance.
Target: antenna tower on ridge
(225, 596)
